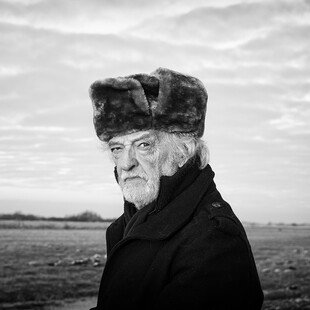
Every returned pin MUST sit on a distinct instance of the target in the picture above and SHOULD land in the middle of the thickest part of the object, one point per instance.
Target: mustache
(131, 175)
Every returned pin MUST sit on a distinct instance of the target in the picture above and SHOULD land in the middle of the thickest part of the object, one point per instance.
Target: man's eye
(144, 145)
(116, 149)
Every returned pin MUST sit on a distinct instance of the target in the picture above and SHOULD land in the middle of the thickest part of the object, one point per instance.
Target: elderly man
(178, 244)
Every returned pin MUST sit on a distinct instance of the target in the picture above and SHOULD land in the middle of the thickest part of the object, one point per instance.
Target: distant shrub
(20, 217)
(86, 216)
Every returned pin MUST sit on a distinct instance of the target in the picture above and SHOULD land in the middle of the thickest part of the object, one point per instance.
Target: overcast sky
(253, 58)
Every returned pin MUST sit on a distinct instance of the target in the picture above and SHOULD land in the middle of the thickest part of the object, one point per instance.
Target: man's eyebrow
(111, 143)
(144, 136)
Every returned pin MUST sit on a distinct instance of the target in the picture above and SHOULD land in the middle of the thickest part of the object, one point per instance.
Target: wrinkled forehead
(135, 136)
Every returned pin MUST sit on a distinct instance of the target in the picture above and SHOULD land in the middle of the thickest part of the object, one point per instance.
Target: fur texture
(164, 100)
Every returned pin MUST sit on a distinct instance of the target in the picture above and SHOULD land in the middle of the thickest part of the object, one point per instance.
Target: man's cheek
(148, 158)
(150, 165)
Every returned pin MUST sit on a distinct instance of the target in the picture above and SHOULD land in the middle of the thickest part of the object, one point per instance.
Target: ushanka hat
(163, 100)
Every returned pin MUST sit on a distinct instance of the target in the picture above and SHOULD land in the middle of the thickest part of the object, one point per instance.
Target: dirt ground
(57, 268)
(83, 304)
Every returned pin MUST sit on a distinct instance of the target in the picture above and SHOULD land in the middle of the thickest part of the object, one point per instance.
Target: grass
(43, 265)
(282, 256)
(43, 224)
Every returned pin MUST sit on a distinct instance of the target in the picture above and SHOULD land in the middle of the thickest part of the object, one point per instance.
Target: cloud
(22, 2)
(291, 121)
(6, 71)
(9, 96)
(36, 128)
(77, 16)
(224, 27)
(252, 56)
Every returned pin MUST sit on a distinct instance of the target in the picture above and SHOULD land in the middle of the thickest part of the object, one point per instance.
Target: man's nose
(128, 159)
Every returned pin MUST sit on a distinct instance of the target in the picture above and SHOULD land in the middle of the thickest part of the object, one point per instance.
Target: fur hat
(163, 100)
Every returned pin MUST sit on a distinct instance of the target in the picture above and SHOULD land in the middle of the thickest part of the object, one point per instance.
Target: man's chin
(140, 196)
(134, 192)
(134, 186)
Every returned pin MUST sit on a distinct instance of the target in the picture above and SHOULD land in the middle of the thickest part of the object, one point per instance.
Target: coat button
(217, 204)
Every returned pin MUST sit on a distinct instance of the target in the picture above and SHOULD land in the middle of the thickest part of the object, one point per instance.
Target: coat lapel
(164, 222)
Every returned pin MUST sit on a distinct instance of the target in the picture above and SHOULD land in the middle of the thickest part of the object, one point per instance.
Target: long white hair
(184, 146)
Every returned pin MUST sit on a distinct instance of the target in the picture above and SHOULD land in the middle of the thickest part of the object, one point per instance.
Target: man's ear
(183, 161)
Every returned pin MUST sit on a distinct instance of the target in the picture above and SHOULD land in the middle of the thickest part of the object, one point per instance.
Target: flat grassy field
(44, 263)
(282, 255)
(40, 266)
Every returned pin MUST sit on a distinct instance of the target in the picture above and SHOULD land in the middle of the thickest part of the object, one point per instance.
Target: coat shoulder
(221, 212)
(213, 252)
(218, 215)
(213, 230)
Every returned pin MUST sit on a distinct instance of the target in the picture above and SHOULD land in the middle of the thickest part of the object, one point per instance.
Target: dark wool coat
(186, 251)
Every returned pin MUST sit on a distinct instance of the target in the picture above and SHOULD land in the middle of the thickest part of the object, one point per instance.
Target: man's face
(141, 158)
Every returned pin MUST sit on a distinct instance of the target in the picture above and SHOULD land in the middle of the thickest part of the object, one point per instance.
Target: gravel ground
(83, 304)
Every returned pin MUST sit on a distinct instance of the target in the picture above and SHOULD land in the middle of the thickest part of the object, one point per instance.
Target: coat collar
(164, 220)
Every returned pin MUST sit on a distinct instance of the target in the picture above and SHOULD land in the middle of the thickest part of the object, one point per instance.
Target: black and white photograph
(154, 154)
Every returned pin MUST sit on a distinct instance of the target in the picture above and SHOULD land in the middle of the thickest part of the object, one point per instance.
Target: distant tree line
(86, 216)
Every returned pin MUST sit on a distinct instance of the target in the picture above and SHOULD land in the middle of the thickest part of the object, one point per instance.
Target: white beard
(140, 192)
(144, 190)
